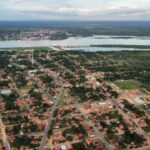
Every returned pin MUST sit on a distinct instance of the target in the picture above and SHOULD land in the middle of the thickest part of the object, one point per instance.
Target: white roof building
(63, 147)
(6, 92)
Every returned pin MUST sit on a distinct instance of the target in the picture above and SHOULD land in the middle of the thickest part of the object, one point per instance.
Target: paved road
(55, 48)
(73, 142)
(32, 133)
(4, 136)
(50, 120)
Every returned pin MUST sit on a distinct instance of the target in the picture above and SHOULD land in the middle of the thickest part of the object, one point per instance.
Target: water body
(84, 42)
(95, 49)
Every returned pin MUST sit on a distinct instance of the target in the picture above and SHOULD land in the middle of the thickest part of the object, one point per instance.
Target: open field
(128, 84)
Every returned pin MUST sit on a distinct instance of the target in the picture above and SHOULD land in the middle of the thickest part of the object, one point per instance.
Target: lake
(84, 42)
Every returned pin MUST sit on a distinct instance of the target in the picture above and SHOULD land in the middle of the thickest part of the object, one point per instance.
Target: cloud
(130, 11)
(78, 9)
(63, 11)
(96, 13)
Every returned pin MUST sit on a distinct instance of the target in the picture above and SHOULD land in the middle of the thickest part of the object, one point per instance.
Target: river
(81, 41)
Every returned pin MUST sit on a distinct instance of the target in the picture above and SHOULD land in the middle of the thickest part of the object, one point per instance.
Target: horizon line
(78, 20)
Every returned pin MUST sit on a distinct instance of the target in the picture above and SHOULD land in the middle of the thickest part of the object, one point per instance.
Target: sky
(74, 9)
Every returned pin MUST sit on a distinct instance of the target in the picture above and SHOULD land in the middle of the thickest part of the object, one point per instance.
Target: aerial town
(74, 100)
(33, 34)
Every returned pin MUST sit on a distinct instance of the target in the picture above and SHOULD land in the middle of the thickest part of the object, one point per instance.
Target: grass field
(129, 84)
(146, 47)
(25, 48)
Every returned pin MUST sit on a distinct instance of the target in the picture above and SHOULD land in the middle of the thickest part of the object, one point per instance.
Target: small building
(139, 100)
(6, 92)
(63, 147)
(31, 73)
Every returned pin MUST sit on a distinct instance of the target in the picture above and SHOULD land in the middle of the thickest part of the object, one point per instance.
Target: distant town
(52, 99)
(41, 34)
(59, 30)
